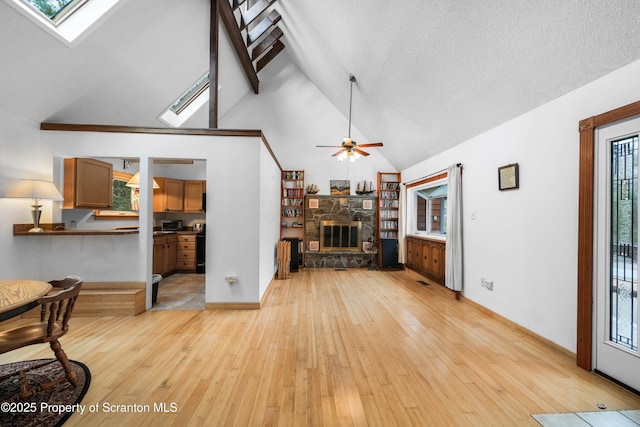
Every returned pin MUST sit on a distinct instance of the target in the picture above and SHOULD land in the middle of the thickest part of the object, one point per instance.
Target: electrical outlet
(486, 284)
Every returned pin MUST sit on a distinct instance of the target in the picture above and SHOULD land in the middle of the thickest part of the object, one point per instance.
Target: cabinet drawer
(187, 238)
(186, 255)
(186, 246)
(186, 264)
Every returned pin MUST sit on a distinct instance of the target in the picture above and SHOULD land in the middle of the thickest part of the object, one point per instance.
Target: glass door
(616, 328)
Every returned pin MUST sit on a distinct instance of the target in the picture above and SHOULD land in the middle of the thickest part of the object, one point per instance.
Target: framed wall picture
(508, 177)
(340, 187)
(314, 203)
(367, 204)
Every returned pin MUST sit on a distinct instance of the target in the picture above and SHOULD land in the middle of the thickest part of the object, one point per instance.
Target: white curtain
(453, 257)
(402, 225)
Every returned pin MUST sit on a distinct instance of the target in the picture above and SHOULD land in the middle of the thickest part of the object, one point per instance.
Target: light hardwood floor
(329, 347)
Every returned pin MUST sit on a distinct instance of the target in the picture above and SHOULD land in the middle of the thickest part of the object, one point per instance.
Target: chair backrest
(58, 304)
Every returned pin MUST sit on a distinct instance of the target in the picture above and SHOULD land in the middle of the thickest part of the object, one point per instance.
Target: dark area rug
(51, 407)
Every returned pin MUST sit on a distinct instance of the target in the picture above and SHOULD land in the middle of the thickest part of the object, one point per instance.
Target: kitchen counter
(57, 229)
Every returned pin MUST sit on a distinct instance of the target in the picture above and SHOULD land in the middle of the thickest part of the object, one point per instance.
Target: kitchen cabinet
(186, 254)
(165, 251)
(88, 184)
(193, 195)
(427, 257)
(170, 196)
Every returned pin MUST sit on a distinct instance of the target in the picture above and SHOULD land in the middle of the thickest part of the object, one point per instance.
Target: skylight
(187, 103)
(56, 10)
(66, 20)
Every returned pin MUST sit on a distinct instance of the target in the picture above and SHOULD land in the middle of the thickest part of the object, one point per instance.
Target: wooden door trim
(587, 127)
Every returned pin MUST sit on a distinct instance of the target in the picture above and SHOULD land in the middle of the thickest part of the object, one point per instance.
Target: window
(66, 20)
(125, 203)
(428, 204)
(56, 10)
(187, 103)
(431, 209)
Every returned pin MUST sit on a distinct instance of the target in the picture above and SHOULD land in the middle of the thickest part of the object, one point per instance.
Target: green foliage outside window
(49, 8)
(121, 196)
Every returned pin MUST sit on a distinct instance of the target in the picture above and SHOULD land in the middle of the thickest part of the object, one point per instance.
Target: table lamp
(34, 189)
(134, 182)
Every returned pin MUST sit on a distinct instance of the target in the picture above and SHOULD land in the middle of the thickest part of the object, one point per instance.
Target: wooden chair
(56, 309)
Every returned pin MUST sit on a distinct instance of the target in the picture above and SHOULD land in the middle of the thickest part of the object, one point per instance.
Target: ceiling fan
(349, 147)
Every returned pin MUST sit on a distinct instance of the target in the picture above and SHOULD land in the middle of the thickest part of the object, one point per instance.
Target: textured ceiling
(430, 74)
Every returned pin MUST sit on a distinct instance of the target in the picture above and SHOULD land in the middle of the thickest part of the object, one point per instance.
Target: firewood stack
(284, 259)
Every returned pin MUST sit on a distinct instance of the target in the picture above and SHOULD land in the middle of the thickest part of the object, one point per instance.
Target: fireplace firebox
(341, 236)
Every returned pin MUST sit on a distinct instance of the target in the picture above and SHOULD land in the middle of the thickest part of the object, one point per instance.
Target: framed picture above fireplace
(340, 187)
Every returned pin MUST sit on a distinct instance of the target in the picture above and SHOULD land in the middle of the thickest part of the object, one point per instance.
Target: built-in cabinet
(186, 255)
(427, 257)
(292, 213)
(165, 250)
(193, 195)
(177, 195)
(170, 196)
(388, 212)
(88, 184)
(174, 252)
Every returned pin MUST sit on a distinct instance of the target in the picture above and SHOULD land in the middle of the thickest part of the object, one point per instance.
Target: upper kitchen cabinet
(193, 195)
(87, 184)
(170, 196)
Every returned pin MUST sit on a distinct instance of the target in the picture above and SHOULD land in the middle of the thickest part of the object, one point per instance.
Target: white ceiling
(430, 74)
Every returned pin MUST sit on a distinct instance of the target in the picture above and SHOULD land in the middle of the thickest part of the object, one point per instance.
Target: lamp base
(37, 230)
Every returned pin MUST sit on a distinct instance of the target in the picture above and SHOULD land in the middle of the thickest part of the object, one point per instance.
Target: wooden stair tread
(273, 52)
(266, 43)
(255, 11)
(238, 3)
(270, 20)
(110, 291)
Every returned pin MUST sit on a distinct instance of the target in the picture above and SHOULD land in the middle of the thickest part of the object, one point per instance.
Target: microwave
(171, 225)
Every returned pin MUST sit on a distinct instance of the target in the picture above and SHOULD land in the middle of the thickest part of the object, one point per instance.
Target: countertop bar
(57, 229)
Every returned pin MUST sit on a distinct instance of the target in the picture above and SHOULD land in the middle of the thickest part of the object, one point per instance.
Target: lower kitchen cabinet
(427, 257)
(186, 255)
(165, 251)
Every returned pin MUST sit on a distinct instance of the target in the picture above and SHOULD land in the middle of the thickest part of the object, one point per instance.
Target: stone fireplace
(336, 230)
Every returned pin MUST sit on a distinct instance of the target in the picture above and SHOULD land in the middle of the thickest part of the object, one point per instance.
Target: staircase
(252, 27)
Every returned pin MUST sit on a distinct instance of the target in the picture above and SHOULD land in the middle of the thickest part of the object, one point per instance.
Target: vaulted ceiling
(430, 74)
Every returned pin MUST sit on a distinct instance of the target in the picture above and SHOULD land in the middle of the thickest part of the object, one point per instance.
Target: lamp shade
(34, 189)
(135, 181)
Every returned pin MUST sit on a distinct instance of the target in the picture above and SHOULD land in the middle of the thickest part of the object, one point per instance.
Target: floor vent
(422, 282)
(341, 269)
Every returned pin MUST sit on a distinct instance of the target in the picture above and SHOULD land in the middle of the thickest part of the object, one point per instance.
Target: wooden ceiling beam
(230, 24)
(213, 63)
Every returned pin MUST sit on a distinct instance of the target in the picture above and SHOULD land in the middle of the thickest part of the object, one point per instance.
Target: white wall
(234, 188)
(269, 214)
(22, 157)
(526, 240)
(295, 117)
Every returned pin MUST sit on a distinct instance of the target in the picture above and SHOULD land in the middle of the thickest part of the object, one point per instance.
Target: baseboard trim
(520, 329)
(242, 305)
(232, 306)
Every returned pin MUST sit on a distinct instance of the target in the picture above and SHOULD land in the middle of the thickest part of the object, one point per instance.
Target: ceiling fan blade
(333, 155)
(359, 151)
(330, 146)
(372, 144)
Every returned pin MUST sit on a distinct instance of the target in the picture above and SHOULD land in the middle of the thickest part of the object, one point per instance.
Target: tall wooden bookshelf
(292, 214)
(388, 213)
